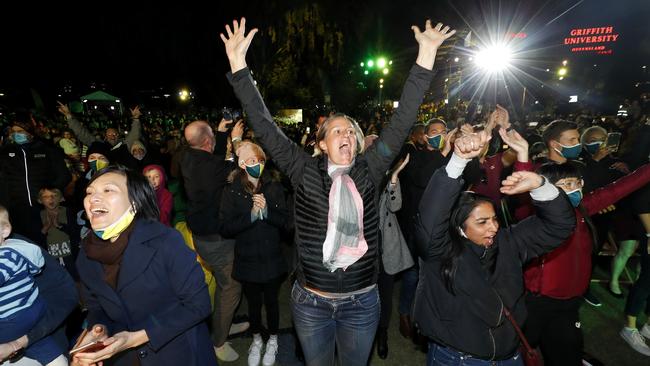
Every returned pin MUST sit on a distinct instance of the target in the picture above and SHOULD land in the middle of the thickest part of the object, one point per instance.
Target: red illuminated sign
(592, 39)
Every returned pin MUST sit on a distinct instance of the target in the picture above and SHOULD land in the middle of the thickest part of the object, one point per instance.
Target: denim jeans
(407, 294)
(323, 325)
(444, 356)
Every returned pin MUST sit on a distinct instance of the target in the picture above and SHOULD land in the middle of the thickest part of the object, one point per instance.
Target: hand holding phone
(91, 347)
(613, 141)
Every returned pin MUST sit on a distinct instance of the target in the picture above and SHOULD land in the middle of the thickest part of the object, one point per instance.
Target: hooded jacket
(163, 196)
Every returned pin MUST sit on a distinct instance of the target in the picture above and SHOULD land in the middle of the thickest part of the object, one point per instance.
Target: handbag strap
(521, 335)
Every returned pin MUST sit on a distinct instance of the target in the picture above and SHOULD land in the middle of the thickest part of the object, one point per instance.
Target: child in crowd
(60, 228)
(156, 176)
(20, 305)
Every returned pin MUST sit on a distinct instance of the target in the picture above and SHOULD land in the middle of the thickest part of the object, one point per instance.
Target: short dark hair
(555, 172)
(556, 128)
(139, 191)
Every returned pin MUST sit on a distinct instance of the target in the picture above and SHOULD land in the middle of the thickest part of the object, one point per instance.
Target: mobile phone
(89, 347)
(613, 141)
(308, 129)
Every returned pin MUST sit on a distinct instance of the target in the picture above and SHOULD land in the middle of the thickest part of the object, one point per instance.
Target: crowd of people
(154, 234)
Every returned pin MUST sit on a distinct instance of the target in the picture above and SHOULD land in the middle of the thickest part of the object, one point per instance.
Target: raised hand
(520, 182)
(237, 44)
(469, 146)
(429, 41)
(449, 141)
(224, 125)
(517, 143)
(238, 130)
(63, 109)
(400, 167)
(135, 112)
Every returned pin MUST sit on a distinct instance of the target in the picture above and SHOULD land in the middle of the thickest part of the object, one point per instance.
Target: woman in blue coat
(145, 292)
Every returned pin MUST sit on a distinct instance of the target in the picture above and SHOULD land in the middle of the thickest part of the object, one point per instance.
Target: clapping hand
(469, 146)
(237, 44)
(517, 143)
(520, 182)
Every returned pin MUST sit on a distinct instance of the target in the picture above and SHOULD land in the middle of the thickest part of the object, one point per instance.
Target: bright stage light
(495, 58)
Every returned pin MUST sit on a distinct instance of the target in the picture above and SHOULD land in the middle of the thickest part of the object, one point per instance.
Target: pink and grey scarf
(344, 243)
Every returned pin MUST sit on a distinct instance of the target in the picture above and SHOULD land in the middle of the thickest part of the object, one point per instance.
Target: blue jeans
(323, 324)
(444, 356)
(407, 294)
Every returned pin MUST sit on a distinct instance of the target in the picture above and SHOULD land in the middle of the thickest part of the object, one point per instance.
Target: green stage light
(370, 63)
(381, 62)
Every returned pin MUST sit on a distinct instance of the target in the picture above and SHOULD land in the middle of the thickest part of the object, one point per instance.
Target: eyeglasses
(571, 185)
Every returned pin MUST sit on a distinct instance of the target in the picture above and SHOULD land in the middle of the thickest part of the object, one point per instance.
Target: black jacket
(472, 321)
(258, 251)
(204, 176)
(25, 169)
(312, 183)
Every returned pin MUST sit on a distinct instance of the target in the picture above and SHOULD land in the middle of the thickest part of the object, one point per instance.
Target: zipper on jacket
(29, 194)
(494, 344)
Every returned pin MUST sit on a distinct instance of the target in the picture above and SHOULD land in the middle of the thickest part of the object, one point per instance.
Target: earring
(462, 233)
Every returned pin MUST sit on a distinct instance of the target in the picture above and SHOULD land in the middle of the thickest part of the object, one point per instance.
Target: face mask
(139, 156)
(118, 226)
(256, 170)
(20, 138)
(436, 141)
(592, 148)
(97, 165)
(575, 197)
(570, 152)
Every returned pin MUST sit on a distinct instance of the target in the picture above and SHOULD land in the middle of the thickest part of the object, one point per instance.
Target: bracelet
(235, 139)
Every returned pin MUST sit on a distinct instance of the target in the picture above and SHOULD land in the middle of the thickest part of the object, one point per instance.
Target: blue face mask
(20, 138)
(256, 170)
(435, 141)
(592, 148)
(575, 197)
(570, 152)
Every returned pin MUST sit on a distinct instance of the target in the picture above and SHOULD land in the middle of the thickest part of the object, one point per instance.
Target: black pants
(385, 285)
(640, 292)
(267, 294)
(554, 326)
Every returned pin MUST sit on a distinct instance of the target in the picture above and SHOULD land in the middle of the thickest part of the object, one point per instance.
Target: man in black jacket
(26, 165)
(205, 170)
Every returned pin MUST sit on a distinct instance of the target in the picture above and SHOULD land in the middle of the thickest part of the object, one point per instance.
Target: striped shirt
(19, 262)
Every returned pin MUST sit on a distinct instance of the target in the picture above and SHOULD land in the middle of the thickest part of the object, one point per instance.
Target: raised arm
(288, 156)
(136, 127)
(553, 222)
(432, 222)
(383, 152)
(82, 133)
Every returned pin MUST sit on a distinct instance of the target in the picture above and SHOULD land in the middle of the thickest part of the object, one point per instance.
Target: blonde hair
(51, 189)
(322, 132)
(257, 150)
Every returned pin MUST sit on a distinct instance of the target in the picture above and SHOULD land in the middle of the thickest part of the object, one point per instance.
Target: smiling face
(107, 199)
(482, 225)
(340, 142)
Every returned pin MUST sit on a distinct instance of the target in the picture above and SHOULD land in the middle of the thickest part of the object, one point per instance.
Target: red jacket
(564, 273)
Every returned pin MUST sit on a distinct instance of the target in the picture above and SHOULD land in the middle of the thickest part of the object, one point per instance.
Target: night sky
(148, 45)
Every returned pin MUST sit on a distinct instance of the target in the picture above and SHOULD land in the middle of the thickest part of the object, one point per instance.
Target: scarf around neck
(107, 253)
(344, 243)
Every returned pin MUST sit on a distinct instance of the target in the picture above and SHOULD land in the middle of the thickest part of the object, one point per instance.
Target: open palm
(432, 37)
(237, 43)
